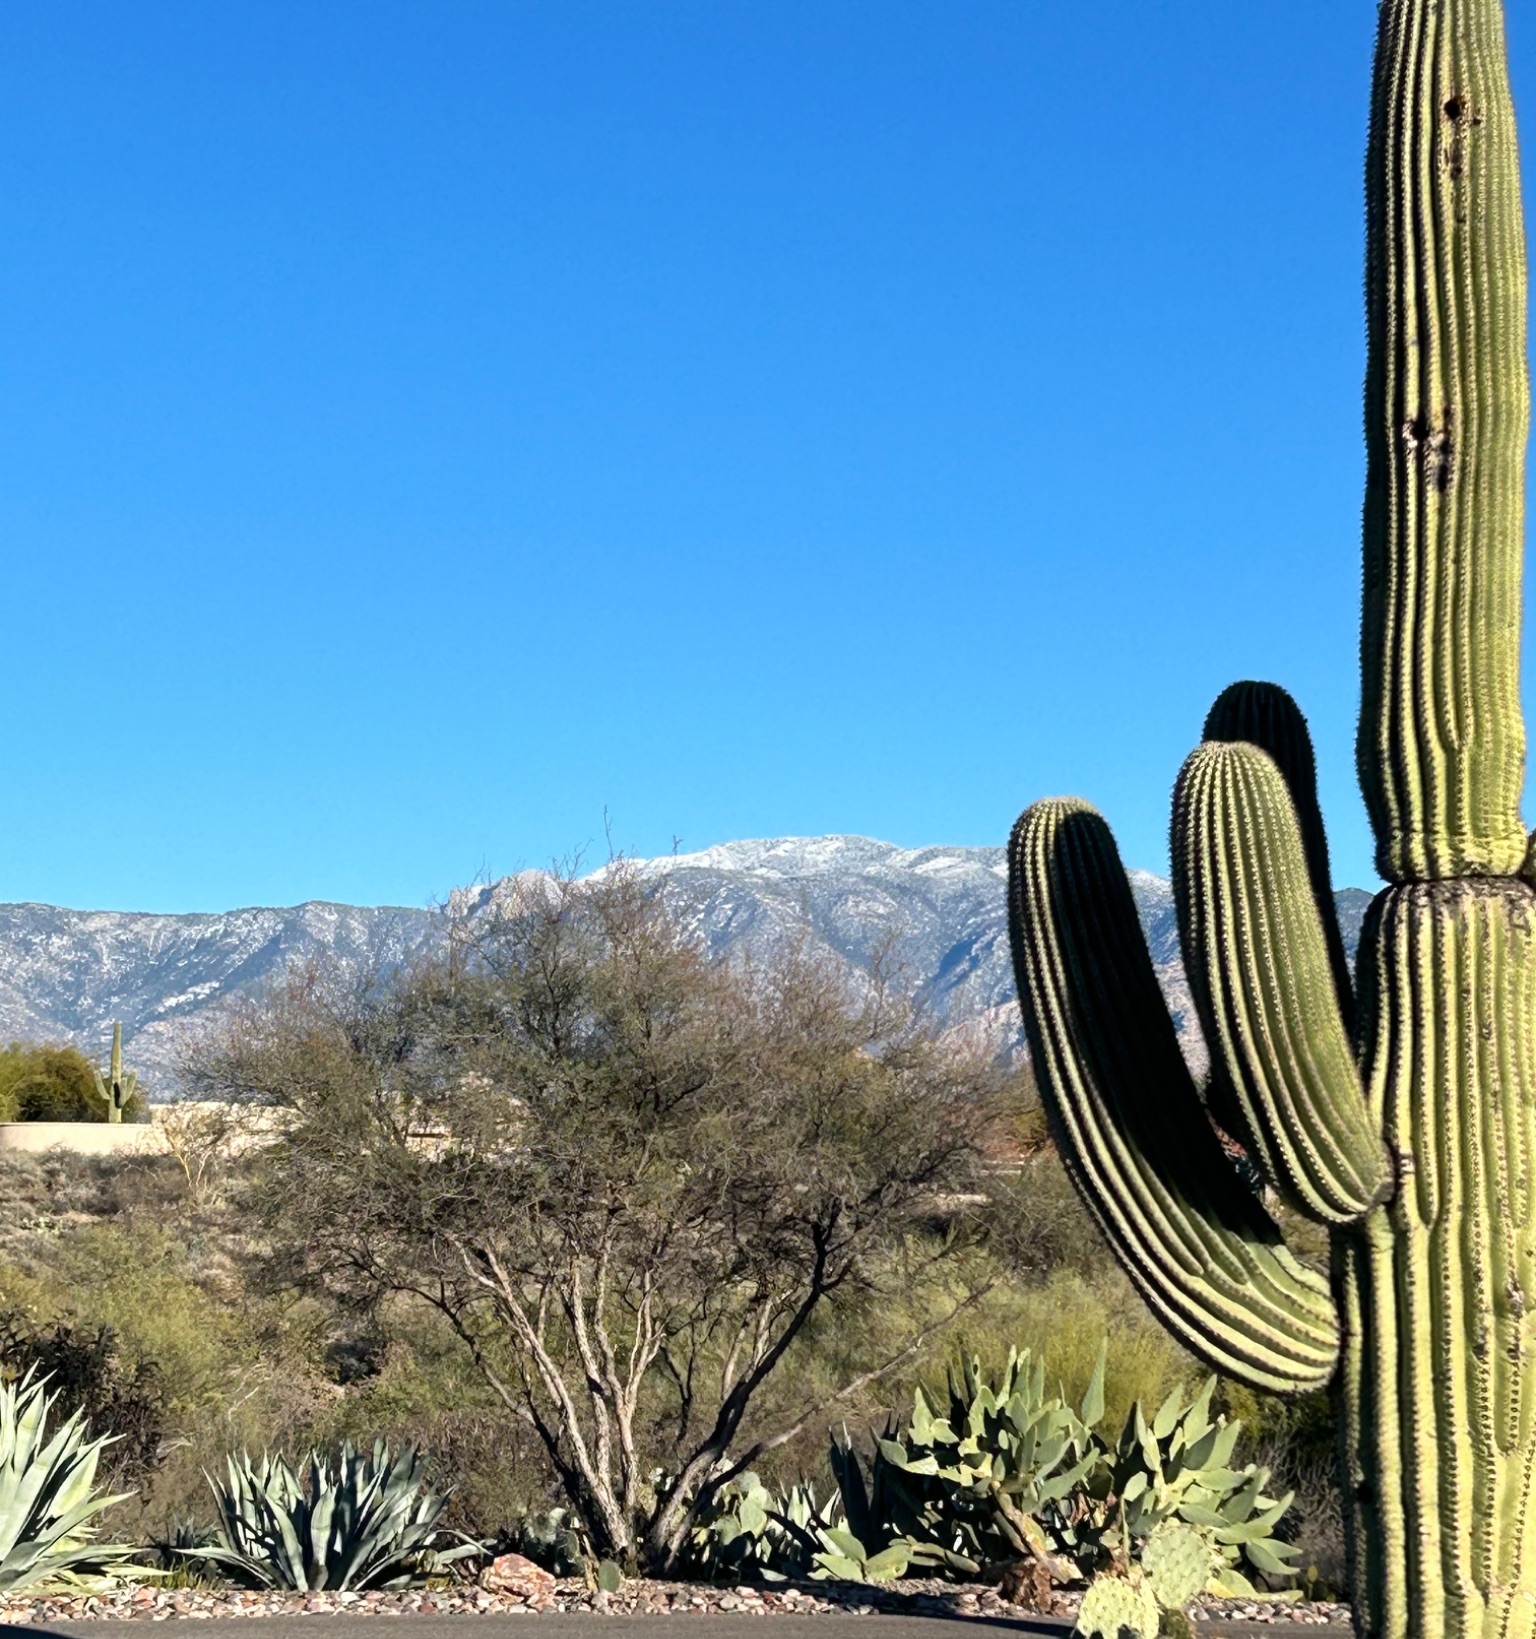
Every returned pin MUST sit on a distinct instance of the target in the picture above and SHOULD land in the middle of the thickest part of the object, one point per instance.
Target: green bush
(88, 1376)
(145, 1290)
(44, 1083)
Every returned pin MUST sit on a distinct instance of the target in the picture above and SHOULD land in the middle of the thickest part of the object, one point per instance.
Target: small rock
(513, 1574)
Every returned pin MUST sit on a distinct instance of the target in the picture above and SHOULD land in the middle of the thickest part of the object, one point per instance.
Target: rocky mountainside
(66, 975)
(936, 914)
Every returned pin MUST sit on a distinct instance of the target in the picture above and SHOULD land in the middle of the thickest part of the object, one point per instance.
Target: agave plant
(48, 1498)
(364, 1522)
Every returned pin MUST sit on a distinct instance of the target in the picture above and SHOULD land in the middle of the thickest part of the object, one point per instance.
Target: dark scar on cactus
(1434, 448)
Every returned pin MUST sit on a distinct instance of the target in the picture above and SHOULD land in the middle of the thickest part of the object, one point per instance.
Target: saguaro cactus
(118, 1089)
(1399, 1112)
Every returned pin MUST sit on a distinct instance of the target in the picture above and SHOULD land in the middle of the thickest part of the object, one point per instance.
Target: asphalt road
(588, 1626)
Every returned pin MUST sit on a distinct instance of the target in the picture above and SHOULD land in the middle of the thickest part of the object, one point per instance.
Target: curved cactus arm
(1441, 746)
(1266, 716)
(1257, 959)
(1129, 1121)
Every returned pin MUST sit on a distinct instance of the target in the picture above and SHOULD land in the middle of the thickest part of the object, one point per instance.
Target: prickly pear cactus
(1177, 1465)
(1114, 1606)
(1178, 1561)
(1398, 1111)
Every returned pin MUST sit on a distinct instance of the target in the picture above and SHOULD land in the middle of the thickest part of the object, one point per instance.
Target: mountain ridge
(939, 913)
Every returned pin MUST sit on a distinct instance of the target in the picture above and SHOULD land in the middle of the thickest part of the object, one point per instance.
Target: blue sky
(425, 428)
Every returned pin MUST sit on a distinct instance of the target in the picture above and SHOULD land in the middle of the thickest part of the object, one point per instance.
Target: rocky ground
(643, 1598)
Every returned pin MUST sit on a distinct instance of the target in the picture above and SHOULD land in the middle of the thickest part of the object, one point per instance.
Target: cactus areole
(1399, 1111)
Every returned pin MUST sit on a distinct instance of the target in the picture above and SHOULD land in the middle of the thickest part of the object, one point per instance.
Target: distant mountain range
(937, 913)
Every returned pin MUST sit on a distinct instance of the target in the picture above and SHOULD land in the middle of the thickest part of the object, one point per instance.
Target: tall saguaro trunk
(1439, 1382)
(1447, 407)
(1411, 1135)
(1439, 1379)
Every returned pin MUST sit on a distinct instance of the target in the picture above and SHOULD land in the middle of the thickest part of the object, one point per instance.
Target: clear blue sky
(424, 427)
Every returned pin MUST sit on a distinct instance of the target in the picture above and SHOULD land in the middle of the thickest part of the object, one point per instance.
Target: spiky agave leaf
(48, 1497)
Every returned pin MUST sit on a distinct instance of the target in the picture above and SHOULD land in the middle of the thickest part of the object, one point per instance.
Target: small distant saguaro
(118, 1089)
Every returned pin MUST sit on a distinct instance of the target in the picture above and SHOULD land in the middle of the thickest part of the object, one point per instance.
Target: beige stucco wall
(171, 1129)
(86, 1137)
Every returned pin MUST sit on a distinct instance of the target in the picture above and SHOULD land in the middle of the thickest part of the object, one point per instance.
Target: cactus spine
(1410, 1130)
(118, 1089)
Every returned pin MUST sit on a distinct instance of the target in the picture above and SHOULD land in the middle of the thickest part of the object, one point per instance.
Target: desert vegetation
(571, 1240)
(44, 1082)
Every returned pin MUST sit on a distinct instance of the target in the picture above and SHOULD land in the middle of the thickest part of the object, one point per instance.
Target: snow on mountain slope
(937, 914)
(66, 975)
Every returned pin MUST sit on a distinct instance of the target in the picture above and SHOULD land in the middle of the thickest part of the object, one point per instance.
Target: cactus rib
(1129, 1120)
(1441, 745)
(1256, 956)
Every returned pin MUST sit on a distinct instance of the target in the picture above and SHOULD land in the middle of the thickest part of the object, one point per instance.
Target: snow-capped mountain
(936, 915)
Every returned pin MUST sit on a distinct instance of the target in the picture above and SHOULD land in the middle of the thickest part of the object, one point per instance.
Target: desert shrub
(45, 1083)
(87, 1375)
(49, 1195)
(145, 1293)
(1064, 1319)
(1037, 1222)
(231, 1367)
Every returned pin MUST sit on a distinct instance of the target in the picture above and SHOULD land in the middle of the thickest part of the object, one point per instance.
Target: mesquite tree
(629, 1177)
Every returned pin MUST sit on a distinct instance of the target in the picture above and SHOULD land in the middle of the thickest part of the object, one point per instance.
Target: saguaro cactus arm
(1441, 746)
(1256, 955)
(1265, 715)
(1129, 1120)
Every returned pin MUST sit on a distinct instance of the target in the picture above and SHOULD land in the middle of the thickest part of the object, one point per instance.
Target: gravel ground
(913, 1598)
